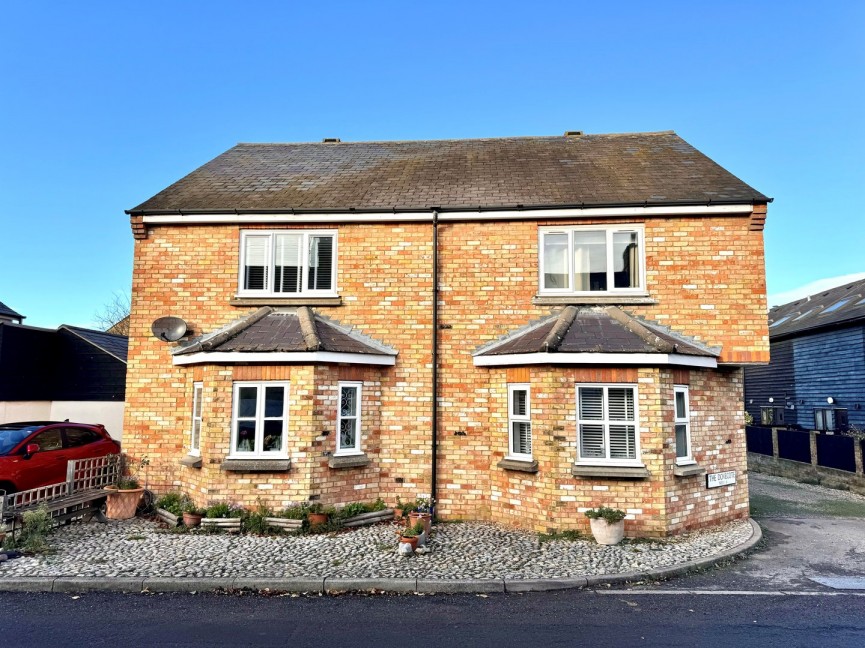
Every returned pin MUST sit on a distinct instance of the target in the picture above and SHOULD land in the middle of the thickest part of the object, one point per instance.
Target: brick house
(579, 308)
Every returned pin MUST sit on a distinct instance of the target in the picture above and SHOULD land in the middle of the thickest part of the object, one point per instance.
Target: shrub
(224, 510)
(611, 515)
(254, 521)
(294, 512)
(36, 525)
(172, 502)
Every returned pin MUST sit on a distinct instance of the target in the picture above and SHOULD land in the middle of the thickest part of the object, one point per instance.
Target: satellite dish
(169, 329)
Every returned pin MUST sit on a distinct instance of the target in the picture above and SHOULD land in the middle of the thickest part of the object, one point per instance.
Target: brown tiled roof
(268, 331)
(838, 306)
(590, 170)
(594, 330)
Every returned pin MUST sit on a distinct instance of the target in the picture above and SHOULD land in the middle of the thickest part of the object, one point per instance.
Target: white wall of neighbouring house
(108, 413)
(14, 411)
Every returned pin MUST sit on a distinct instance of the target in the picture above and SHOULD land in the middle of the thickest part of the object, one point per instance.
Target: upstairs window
(287, 263)
(519, 422)
(592, 260)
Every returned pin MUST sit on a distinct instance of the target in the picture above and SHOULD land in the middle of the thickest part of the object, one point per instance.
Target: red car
(35, 453)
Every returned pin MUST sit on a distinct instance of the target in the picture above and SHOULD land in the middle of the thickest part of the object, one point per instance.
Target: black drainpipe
(435, 360)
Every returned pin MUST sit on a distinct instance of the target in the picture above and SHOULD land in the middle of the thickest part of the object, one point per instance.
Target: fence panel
(794, 445)
(834, 451)
(759, 439)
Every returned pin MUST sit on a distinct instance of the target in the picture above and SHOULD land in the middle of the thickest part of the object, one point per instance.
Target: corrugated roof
(842, 305)
(595, 330)
(115, 345)
(634, 169)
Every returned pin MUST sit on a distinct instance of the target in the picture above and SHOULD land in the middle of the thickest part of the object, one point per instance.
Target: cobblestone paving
(141, 548)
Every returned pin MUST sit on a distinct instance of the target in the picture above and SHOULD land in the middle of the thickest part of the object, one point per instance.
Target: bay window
(348, 418)
(519, 422)
(260, 420)
(682, 424)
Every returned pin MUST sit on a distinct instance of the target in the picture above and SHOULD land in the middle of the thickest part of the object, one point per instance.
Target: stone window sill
(193, 461)
(568, 300)
(613, 472)
(520, 465)
(256, 465)
(688, 470)
(286, 301)
(349, 461)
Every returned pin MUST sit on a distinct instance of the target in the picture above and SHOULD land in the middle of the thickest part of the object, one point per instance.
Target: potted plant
(123, 498)
(192, 514)
(223, 515)
(410, 535)
(316, 515)
(608, 524)
(422, 513)
(169, 507)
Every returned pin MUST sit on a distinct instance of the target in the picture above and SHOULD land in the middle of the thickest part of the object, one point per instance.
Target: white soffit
(640, 359)
(304, 357)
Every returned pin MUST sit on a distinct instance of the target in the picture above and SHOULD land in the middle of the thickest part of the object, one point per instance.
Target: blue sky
(103, 104)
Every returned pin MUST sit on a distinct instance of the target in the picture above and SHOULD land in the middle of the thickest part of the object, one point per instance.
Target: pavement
(812, 538)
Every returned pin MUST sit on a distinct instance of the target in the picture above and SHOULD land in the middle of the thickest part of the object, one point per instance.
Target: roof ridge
(456, 139)
(306, 319)
(560, 329)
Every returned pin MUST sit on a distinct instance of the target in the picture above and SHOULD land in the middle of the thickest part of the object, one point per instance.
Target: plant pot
(606, 533)
(121, 504)
(397, 514)
(415, 516)
(192, 519)
(409, 541)
(316, 519)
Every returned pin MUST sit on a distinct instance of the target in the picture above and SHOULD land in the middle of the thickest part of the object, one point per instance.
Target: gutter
(454, 209)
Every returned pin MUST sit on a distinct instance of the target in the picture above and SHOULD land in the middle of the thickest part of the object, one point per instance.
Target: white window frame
(686, 421)
(605, 422)
(257, 453)
(609, 230)
(268, 291)
(519, 418)
(358, 419)
(197, 416)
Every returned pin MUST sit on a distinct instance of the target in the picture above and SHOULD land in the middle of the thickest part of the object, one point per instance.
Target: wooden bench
(80, 496)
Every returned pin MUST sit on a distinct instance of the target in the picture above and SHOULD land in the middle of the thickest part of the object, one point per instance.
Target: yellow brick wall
(706, 274)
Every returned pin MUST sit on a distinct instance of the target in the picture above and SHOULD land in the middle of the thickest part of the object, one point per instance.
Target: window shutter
(591, 441)
(591, 403)
(256, 263)
(621, 404)
(287, 263)
(622, 442)
(320, 262)
(522, 432)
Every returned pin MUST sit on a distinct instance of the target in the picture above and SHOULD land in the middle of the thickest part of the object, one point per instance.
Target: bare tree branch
(113, 317)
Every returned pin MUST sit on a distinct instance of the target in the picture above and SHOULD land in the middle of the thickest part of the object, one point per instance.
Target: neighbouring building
(523, 328)
(816, 379)
(69, 373)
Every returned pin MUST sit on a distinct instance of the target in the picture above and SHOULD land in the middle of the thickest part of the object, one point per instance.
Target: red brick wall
(706, 274)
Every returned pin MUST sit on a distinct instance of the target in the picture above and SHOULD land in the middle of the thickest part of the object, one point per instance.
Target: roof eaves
(76, 333)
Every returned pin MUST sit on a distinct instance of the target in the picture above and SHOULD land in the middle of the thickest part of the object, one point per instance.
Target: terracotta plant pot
(316, 519)
(397, 514)
(121, 504)
(410, 541)
(606, 533)
(192, 519)
(415, 516)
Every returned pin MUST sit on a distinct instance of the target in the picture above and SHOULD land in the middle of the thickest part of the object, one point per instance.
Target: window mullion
(259, 419)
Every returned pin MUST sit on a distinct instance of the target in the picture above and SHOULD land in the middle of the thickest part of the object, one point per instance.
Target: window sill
(256, 465)
(615, 472)
(286, 301)
(349, 461)
(567, 300)
(520, 465)
(193, 461)
(688, 470)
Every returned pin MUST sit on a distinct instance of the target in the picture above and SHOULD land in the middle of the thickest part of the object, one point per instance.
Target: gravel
(142, 548)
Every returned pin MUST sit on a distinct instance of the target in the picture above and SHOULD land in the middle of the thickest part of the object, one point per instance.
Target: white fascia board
(427, 216)
(305, 357)
(640, 359)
